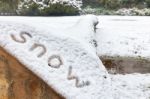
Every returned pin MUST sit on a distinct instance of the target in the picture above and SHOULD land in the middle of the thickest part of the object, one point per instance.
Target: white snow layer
(75, 47)
(124, 36)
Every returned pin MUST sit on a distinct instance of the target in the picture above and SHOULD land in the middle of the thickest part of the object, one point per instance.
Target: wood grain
(17, 82)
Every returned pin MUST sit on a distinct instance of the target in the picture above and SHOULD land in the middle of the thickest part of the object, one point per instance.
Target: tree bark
(17, 82)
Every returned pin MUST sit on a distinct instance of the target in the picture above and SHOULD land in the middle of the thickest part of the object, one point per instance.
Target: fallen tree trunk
(17, 82)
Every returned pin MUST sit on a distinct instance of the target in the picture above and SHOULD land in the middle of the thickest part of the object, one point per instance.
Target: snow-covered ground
(124, 36)
(116, 35)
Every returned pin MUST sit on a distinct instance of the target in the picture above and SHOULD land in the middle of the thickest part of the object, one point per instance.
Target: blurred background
(74, 7)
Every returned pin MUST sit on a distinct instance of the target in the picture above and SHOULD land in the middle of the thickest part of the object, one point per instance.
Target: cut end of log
(17, 82)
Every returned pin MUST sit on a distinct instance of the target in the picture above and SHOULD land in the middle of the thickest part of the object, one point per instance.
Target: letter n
(43, 51)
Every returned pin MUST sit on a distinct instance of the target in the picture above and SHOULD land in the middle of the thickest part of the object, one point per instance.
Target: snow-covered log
(124, 36)
(65, 59)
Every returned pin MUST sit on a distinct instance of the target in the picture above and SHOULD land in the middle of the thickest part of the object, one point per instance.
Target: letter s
(22, 36)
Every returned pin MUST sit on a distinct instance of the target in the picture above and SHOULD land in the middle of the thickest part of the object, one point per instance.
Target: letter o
(55, 61)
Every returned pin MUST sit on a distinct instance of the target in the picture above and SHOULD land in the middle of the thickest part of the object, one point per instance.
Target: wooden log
(17, 82)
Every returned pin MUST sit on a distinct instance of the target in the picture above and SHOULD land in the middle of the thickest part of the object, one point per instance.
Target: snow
(71, 38)
(124, 36)
(131, 86)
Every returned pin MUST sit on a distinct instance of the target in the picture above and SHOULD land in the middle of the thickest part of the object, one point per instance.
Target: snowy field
(124, 36)
(116, 36)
